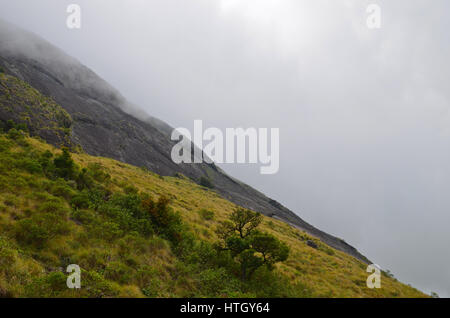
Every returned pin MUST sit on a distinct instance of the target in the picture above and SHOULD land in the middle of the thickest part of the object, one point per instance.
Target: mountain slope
(103, 125)
(47, 223)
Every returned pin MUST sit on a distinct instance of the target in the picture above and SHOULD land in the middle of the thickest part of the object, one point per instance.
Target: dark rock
(103, 124)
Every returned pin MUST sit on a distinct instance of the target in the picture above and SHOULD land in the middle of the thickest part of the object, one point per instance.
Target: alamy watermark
(374, 279)
(236, 145)
(74, 19)
(374, 18)
(74, 279)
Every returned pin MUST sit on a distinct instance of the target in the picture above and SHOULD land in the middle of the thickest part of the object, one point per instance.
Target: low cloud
(363, 114)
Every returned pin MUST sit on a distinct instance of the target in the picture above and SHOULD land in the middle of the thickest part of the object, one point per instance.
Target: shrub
(266, 283)
(5, 144)
(14, 134)
(81, 201)
(97, 286)
(166, 222)
(98, 173)
(93, 258)
(8, 255)
(118, 272)
(49, 222)
(129, 189)
(248, 247)
(50, 285)
(153, 286)
(62, 189)
(107, 231)
(30, 165)
(84, 180)
(38, 229)
(47, 164)
(97, 197)
(126, 211)
(272, 249)
(217, 283)
(242, 222)
(206, 214)
(10, 124)
(65, 166)
(206, 182)
(84, 216)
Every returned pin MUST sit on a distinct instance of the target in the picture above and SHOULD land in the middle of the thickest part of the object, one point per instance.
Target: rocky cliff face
(102, 124)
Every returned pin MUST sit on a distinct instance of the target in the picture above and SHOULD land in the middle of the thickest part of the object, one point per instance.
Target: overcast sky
(363, 114)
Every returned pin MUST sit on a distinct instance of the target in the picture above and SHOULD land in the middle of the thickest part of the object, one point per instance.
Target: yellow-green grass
(324, 271)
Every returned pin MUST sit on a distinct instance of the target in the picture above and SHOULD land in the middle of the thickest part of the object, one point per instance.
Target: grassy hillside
(47, 223)
(134, 233)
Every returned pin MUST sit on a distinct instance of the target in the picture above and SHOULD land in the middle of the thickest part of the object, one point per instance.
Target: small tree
(249, 247)
(271, 249)
(242, 222)
(65, 166)
(166, 222)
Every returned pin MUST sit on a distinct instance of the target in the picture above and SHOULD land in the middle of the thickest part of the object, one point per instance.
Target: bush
(206, 182)
(118, 272)
(206, 214)
(81, 201)
(97, 286)
(30, 165)
(217, 283)
(242, 223)
(14, 134)
(61, 189)
(126, 211)
(167, 223)
(37, 230)
(8, 255)
(84, 216)
(46, 224)
(5, 144)
(65, 166)
(10, 124)
(269, 284)
(50, 285)
(107, 231)
(98, 173)
(250, 248)
(84, 180)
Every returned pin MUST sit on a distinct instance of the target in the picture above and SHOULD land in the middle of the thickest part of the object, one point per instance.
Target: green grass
(47, 223)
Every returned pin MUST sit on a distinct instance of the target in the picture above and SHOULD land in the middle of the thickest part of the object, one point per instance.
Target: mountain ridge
(104, 124)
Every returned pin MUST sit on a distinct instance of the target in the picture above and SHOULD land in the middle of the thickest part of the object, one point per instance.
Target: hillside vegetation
(42, 116)
(50, 219)
(138, 234)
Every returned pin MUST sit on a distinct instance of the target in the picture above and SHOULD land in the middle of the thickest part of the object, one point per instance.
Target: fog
(364, 114)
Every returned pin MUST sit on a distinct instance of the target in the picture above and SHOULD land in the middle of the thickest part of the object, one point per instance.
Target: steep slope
(103, 124)
(19, 102)
(47, 223)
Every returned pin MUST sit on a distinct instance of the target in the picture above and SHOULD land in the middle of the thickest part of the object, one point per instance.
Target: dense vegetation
(70, 214)
(27, 107)
(119, 224)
